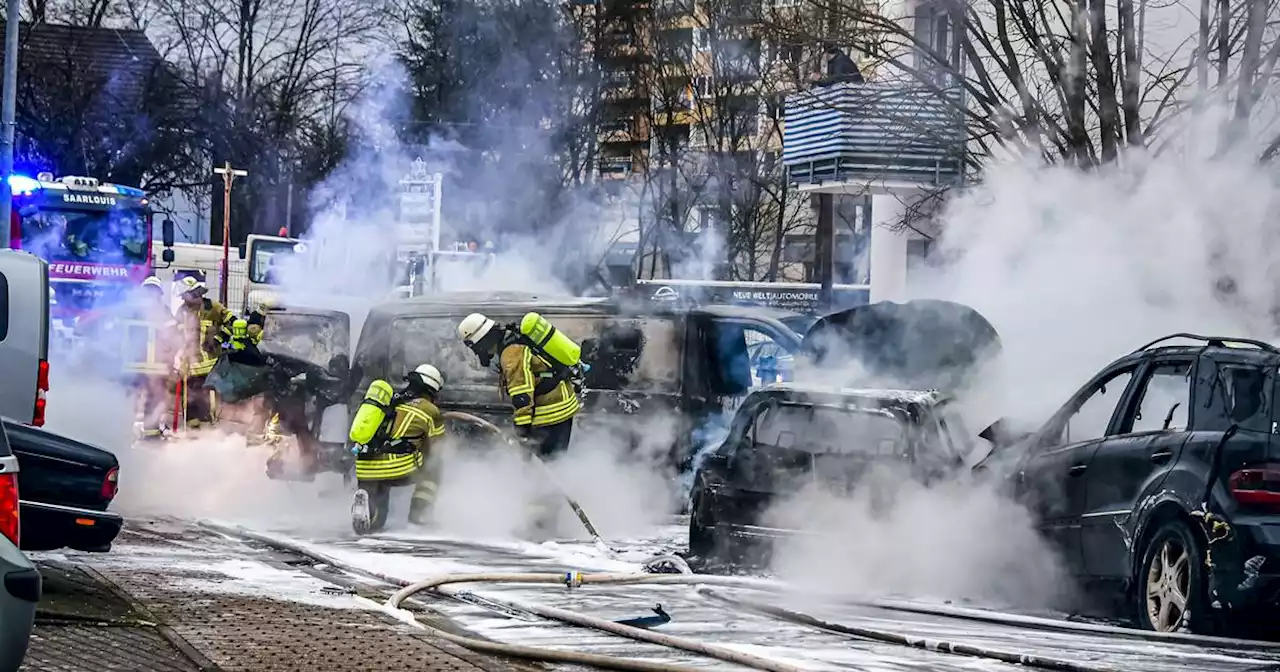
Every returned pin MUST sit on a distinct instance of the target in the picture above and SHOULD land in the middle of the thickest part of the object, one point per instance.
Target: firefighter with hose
(206, 325)
(394, 433)
(540, 374)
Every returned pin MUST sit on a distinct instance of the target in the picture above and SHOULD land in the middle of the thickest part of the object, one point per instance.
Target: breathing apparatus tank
(372, 412)
(551, 341)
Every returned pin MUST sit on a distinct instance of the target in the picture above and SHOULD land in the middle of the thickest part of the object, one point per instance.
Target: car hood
(920, 344)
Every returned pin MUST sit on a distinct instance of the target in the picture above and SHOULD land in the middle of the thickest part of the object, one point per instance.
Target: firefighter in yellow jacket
(394, 447)
(543, 402)
(206, 325)
(147, 340)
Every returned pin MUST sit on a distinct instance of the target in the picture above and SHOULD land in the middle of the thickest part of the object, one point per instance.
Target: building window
(934, 30)
(702, 39)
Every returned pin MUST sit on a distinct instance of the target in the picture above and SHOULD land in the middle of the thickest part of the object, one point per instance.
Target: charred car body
(300, 370)
(786, 437)
(692, 364)
(1160, 481)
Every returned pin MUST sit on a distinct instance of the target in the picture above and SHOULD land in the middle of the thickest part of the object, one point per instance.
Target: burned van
(688, 367)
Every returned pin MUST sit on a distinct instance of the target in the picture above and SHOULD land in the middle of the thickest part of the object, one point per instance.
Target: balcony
(874, 132)
(617, 130)
(615, 166)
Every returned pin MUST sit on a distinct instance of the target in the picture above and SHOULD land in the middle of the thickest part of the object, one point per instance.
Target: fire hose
(440, 585)
(531, 652)
(915, 642)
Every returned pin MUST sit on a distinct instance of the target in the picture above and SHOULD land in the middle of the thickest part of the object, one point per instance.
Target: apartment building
(687, 78)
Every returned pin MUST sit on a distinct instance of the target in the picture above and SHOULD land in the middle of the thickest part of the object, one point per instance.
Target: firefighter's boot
(424, 498)
(361, 518)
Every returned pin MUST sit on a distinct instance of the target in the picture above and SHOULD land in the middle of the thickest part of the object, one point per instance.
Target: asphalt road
(414, 555)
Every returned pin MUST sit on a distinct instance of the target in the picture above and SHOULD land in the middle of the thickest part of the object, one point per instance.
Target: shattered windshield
(93, 236)
(313, 338)
(821, 430)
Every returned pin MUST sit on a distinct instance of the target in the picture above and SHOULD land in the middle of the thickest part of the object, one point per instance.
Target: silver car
(19, 579)
(24, 336)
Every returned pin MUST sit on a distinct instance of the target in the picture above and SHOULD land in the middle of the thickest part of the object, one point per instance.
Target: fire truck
(96, 237)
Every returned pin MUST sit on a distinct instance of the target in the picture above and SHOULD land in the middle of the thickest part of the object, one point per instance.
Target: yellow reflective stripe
(411, 414)
(556, 413)
(386, 468)
(549, 414)
(526, 375)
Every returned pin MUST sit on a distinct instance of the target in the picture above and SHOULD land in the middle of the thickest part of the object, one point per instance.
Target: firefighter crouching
(148, 353)
(540, 374)
(206, 325)
(394, 433)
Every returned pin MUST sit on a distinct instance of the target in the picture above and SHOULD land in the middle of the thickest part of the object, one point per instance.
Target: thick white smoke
(1074, 269)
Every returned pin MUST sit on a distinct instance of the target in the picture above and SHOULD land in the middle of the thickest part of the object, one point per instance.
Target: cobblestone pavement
(175, 599)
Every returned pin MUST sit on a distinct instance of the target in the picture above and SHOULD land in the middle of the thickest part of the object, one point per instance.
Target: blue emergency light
(21, 185)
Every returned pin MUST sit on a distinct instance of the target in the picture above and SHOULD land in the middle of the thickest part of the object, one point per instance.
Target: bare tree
(270, 75)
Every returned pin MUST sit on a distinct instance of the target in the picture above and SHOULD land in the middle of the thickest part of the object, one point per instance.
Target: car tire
(1172, 588)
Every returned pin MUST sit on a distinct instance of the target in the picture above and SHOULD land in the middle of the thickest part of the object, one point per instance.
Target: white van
(24, 336)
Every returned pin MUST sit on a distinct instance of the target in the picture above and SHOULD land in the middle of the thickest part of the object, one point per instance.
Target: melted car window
(831, 430)
(1092, 417)
(1166, 399)
(314, 338)
(1245, 395)
(434, 340)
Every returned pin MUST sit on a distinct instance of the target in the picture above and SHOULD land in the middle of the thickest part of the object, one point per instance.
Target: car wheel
(1171, 581)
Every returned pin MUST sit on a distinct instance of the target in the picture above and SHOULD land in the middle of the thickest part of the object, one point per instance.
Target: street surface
(414, 554)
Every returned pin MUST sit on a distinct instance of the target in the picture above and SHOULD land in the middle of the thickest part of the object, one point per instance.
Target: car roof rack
(1210, 341)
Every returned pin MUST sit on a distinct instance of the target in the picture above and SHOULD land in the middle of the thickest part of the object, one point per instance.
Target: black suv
(787, 435)
(1161, 478)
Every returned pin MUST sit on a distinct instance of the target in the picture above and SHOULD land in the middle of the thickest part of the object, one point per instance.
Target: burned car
(686, 365)
(786, 437)
(1159, 481)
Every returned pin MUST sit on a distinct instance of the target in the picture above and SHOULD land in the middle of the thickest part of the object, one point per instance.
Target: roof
(122, 59)
(449, 303)
(842, 394)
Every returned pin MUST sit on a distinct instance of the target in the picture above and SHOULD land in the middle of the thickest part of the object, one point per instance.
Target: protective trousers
(152, 397)
(201, 402)
(425, 481)
(549, 441)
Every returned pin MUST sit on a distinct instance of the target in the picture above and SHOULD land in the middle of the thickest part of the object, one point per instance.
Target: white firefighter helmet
(426, 376)
(192, 284)
(473, 328)
(153, 282)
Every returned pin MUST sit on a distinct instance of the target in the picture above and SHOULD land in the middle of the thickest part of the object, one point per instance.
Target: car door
(1141, 445)
(1051, 480)
(719, 372)
(321, 338)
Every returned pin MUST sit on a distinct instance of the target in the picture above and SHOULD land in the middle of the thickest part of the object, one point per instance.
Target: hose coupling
(573, 579)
